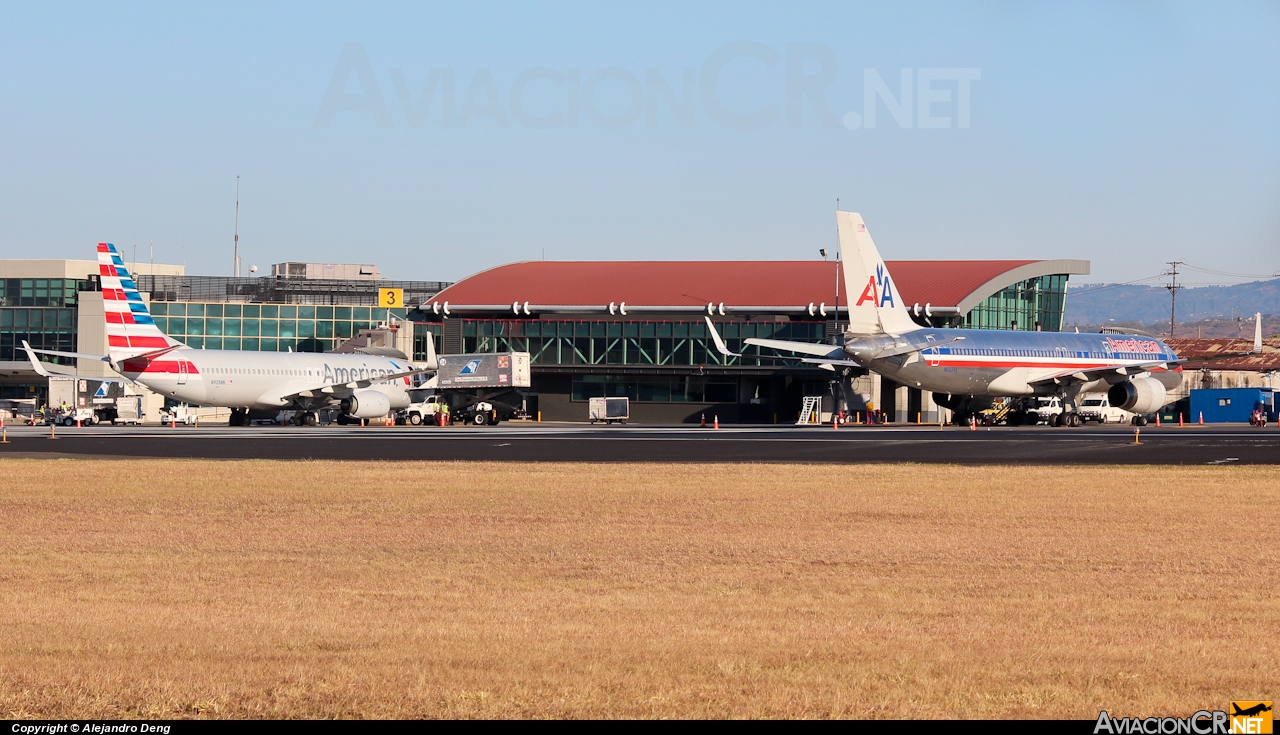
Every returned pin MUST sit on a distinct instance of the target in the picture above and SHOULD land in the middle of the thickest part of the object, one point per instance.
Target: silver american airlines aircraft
(360, 385)
(955, 364)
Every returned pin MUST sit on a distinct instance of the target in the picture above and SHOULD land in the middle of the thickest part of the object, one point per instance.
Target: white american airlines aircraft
(360, 385)
(1134, 372)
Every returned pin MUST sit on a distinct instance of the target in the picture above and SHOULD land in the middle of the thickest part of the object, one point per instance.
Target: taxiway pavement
(519, 442)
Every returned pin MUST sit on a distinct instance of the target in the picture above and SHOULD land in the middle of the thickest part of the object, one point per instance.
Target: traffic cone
(173, 422)
(716, 424)
(4, 433)
(835, 422)
(1180, 420)
(1157, 419)
(1202, 418)
(77, 423)
(973, 423)
(704, 421)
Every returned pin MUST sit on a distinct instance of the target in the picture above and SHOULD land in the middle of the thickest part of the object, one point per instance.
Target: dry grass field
(260, 589)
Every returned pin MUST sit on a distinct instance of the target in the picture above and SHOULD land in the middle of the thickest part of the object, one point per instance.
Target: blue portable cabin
(1227, 405)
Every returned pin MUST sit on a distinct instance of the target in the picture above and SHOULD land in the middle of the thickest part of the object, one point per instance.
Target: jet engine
(366, 404)
(1140, 395)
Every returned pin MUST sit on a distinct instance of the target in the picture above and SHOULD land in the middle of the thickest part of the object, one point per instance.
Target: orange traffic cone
(704, 421)
(1202, 418)
(1180, 420)
(835, 422)
(973, 423)
(716, 425)
(1157, 419)
(173, 422)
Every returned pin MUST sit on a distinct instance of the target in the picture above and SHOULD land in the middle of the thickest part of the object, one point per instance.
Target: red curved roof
(697, 283)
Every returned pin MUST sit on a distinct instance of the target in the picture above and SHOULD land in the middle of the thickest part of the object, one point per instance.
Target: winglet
(432, 362)
(35, 361)
(715, 337)
(1257, 332)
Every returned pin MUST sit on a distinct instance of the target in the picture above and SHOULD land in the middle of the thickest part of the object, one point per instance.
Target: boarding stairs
(809, 411)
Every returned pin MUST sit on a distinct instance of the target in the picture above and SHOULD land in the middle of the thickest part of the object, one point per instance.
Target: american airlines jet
(955, 364)
(360, 385)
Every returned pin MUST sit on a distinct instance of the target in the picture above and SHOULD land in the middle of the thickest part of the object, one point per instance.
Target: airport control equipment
(609, 410)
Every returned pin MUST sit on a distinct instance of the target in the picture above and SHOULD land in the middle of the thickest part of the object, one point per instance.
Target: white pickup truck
(1098, 408)
(424, 411)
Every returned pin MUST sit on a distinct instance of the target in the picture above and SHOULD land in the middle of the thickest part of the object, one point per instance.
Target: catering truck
(92, 400)
(479, 389)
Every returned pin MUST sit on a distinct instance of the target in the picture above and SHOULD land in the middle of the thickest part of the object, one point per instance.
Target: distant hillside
(1098, 304)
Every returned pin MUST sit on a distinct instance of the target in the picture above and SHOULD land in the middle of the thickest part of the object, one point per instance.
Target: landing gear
(239, 417)
(1139, 421)
(1070, 418)
(306, 419)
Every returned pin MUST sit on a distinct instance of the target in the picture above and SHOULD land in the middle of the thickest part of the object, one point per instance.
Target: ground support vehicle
(1099, 409)
(425, 411)
(478, 389)
(114, 401)
(609, 410)
(83, 416)
(180, 414)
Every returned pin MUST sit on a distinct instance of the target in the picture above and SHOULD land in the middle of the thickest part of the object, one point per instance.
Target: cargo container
(1226, 405)
(94, 400)
(609, 410)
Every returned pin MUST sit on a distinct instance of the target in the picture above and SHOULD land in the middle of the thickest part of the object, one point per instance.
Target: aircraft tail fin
(875, 306)
(130, 329)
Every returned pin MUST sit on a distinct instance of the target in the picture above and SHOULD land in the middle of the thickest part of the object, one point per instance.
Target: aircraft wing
(1092, 374)
(313, 390)
(804, 348)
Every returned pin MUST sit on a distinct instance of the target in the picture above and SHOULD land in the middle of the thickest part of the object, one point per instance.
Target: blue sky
(1128, 134)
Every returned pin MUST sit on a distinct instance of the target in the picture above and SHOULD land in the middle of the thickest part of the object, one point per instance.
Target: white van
(1046, 407)
(1098, 408)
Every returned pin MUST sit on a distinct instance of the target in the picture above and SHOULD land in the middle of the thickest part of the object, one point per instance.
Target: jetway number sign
(391, 297)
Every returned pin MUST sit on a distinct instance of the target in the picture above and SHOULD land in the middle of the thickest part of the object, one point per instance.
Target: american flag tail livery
(131, 332)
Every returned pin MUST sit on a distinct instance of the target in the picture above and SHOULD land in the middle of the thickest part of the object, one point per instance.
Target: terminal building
(630, 329)
(636, 329)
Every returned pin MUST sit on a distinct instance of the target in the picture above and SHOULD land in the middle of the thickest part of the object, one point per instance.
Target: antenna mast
(235, 253)
(1174, 288)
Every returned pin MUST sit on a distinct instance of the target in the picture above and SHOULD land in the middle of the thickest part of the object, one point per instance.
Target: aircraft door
(182, 372)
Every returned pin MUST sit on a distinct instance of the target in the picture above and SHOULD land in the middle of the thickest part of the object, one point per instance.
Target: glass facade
(40, 291)
(44, 329)
(1024, 305)
(265, 327)
(642, 343)
(659, 389)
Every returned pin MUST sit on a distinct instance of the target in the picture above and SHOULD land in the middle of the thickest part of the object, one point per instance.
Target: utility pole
(838, 332)
(235, 253)
(1174, 288)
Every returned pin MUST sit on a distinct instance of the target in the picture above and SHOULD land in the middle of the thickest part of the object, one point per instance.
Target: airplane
(957, 365)
(361, 386)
